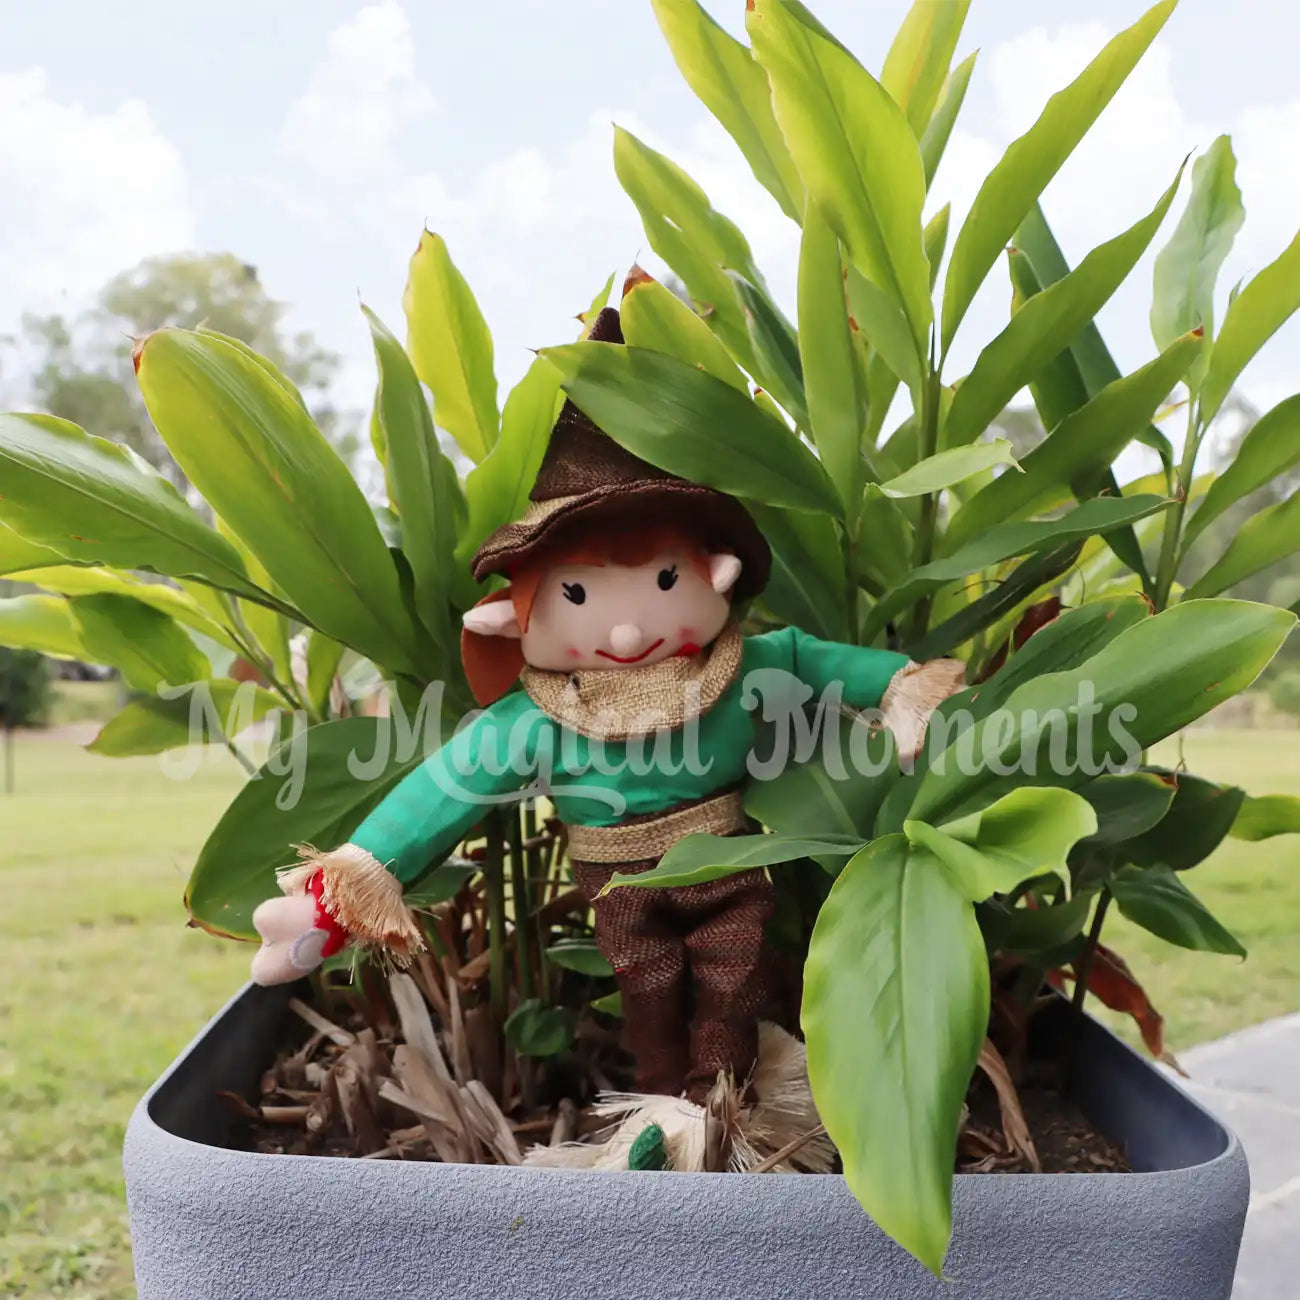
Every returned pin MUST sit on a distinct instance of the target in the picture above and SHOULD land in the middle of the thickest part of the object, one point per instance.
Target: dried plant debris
(394, 1073)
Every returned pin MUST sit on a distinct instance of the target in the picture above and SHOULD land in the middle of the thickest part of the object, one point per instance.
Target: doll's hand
(297, 933)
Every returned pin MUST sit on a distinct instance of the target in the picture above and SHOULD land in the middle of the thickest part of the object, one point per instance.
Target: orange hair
(493, 663)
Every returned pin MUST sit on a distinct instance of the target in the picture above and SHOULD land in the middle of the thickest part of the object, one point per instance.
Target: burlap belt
(639, 840)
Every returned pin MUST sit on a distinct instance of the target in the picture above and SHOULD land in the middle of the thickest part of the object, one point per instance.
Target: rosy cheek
(686, 633)
(573, 652)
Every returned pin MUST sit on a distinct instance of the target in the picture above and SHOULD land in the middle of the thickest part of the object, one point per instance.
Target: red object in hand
(338, 936)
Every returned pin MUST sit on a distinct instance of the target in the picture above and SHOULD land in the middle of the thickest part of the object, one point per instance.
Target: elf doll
(611, 671)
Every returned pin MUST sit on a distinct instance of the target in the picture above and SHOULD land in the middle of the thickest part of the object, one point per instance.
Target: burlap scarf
(615, 703)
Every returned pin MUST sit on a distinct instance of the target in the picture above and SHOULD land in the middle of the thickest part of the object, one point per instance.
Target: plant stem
(536, 885)
(1082, 973)
(494, 880)
(1167, 568)
(927, 445)
(523, 905)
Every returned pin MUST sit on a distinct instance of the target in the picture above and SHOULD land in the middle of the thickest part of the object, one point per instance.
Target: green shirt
(514, 745)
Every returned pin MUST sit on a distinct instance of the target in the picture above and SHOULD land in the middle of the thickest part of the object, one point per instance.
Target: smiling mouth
(635, 659)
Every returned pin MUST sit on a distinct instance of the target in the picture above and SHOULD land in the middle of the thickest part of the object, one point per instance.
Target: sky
(315, 138)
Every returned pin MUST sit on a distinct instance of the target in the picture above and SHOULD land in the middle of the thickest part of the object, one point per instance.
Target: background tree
(24, 695)
(81, 369)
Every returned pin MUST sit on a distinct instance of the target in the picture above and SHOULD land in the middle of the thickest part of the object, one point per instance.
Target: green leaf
(885, 538)
(1256, 314)
(324, 655)
(1012, 188)
(1044, 326)
(836, 404)
(895, 1010)
(880, 321)
(1157, 900)
(17, 554)
(1260, 817)
(1269, 450)
(148, 647)
(947, 468)
(1200, 815)
(1001, 601)
(1063, 644)
(1026, 833)
(776, 349)
(306, 793)
(72, 580)
(536, 1030)
(451, 347)
(936, 240)
(1266, 537)
(723, 75)
(855, 152)
(654, 317)
(424, 487)
(937, 133)
(691, 424)
(596, 306)
(692, 237)
(697, 859)
(1080, 448)
(1127, 805)
(1164, 671)
(1006, 540)
(1088, 355)
(916, 66)
(264, 467)
(57, 478)
(497, 489)
(832, 793)
(806, 587)
(610, 1005)
(580, 955)
(43, 623)
(1188, 266)
(210, 713)
(439, 885)
(1034, 931)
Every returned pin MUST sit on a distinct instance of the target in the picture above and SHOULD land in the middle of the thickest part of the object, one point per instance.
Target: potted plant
(927, 910)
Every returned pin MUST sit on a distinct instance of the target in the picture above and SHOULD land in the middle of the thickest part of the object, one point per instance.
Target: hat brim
(721, 522)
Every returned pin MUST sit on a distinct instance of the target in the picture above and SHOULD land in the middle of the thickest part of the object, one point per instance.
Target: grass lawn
(104, 983)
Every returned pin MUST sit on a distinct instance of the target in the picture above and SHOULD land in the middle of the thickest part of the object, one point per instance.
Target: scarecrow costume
(690, 961)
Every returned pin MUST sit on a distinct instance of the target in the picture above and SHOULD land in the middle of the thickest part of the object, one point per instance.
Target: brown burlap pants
(691, 970)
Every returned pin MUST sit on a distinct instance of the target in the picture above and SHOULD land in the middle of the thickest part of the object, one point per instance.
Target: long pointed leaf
(1079, 448)
(692, 424)
(854, 150)
(895, 1009)
(723, 74)
(264, 467)
(1045, 325)
(917, 63)
(451, 347)
(1013, 186)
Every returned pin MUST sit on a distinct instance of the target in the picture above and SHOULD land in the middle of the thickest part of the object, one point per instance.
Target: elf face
(617, 616)
(620, 615)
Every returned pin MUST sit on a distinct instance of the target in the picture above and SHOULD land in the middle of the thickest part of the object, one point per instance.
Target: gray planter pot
(209, 1223)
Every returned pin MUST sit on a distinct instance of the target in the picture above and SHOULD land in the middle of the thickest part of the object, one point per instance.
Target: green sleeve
(864, 672)
(430, 811)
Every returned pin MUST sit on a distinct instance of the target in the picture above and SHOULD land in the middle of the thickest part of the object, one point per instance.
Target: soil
(300, 1113)
(1063, 1139)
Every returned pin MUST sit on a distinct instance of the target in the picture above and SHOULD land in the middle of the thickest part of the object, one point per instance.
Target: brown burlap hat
(585, 476)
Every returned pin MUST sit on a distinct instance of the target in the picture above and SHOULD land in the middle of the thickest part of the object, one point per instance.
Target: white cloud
(362, 93)
(82, 194)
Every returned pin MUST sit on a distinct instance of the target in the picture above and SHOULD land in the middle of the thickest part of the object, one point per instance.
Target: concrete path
(1251, 1079)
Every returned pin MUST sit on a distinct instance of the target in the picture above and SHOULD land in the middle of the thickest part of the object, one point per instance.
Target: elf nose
(625, 640)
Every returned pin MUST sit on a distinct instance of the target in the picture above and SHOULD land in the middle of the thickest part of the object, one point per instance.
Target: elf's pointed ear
(723, 572)
(494, 619)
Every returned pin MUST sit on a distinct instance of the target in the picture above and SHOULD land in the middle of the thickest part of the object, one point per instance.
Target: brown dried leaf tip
(636, 276)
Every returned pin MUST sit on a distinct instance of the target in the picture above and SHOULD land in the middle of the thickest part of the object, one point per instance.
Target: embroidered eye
(667, 578)
(574, 591)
